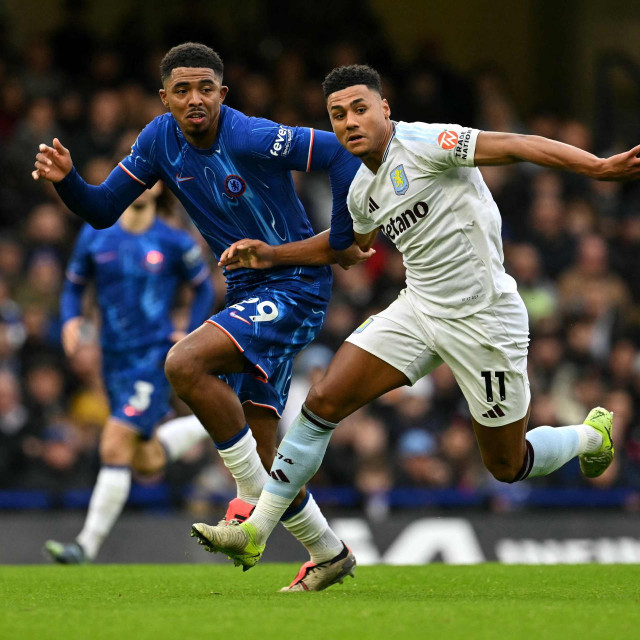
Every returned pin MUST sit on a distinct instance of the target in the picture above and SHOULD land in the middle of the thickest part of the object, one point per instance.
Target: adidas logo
(279, 475)
(373, 205)
(494, 412)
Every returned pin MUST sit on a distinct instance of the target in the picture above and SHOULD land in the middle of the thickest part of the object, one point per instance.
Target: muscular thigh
(269, 326)
(398, 338)
(487, 353)
(387, 351)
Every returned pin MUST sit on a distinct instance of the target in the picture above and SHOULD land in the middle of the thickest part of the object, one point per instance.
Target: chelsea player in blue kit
(232, 175)
(137, 266)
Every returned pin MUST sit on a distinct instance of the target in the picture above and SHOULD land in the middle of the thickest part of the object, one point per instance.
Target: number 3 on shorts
(489, 386)
(141, 400)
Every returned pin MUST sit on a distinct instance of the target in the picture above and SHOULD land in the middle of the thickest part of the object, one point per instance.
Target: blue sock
(552, 448)
(300, 454)
(227, 444)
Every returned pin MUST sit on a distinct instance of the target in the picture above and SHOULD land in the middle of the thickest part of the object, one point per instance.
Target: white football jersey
(429, 199)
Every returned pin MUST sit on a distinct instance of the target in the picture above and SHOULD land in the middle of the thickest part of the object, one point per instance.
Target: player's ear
(223, 92)
(386, 109)
(163, 97)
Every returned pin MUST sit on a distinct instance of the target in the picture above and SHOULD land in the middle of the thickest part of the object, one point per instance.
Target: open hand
(247, 254)
(52, 163)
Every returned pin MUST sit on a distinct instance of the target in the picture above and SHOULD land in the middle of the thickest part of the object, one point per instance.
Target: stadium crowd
(573, 245)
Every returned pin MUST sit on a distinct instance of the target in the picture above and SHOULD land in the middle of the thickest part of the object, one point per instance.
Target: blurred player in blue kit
(232, 174)
(137, 266)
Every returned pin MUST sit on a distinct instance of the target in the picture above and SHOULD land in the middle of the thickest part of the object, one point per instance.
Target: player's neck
(136, 220)
(373, 160)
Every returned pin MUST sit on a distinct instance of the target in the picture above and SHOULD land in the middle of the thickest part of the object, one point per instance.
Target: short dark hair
(191, 54)
(343, 77)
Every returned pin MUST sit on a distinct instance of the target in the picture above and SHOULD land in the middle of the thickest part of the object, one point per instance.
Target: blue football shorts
(138, 390)
(270, 326)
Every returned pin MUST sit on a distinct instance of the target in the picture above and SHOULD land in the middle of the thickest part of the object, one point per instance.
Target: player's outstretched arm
(314, 251)
(99, 205)
(493, 148)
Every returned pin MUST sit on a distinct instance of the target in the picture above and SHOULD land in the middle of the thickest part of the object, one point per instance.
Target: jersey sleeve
(196, 272)
(439, 146)
(361, 223)
(192, 265)
(80, 266)
(140, 164)
(79, 272)
(289, 148)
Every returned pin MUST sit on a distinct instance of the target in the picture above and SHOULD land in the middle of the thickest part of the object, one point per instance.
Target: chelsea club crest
(234, 186)
(399, 180)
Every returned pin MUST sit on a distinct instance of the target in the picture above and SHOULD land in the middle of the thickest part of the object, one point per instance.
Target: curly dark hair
(343, 77)
(191, 54)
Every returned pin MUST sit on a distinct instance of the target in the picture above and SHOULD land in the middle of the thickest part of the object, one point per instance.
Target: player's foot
(69, 553)
(238, 542)
(596, 463)
(316, 577)
(237, 511)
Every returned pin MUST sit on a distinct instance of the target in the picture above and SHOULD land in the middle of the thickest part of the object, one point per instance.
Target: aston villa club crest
(399, 180)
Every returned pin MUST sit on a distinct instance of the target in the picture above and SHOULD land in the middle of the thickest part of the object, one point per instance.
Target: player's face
(360, 120)
(194, 95)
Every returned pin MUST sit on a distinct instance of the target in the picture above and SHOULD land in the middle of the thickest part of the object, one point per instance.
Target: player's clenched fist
(52, 163)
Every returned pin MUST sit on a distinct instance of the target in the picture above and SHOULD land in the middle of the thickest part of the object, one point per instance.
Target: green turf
(435, 601)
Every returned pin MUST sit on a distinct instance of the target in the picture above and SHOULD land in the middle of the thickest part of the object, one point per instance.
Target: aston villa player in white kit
(419, 185)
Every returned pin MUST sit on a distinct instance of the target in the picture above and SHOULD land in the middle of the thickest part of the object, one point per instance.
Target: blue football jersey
(242, 186)
(136, 276)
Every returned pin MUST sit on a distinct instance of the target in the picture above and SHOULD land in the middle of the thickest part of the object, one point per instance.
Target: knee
(114, 453)
(504, 469)
(182, 370)
(148, 462)
(324, 403)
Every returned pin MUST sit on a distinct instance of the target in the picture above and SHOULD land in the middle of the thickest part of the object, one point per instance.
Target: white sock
(554, 447)
(590, 439)
(109, 496)
(244, 463)
(179, 435)
(311, 528)
(267, 514)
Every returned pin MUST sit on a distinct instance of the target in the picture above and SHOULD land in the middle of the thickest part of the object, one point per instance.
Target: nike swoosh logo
(237, 317)
(181, 179)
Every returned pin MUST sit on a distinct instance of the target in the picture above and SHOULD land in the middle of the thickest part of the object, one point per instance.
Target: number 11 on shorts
(489, 386)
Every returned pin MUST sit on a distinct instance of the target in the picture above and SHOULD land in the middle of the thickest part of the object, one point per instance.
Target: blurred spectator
(14, 419)
(538, 294)
(420, 464)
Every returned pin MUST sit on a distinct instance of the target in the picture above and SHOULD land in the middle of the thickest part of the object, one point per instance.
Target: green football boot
(65, 553)
(596, 463)
(238, 542)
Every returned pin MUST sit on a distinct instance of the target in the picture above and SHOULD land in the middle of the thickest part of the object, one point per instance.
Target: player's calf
(505, 469)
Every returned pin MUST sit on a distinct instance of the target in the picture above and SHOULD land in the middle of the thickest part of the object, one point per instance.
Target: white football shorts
(486, 351)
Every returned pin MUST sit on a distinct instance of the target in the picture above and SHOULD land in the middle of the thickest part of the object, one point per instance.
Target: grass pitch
(435, 601)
